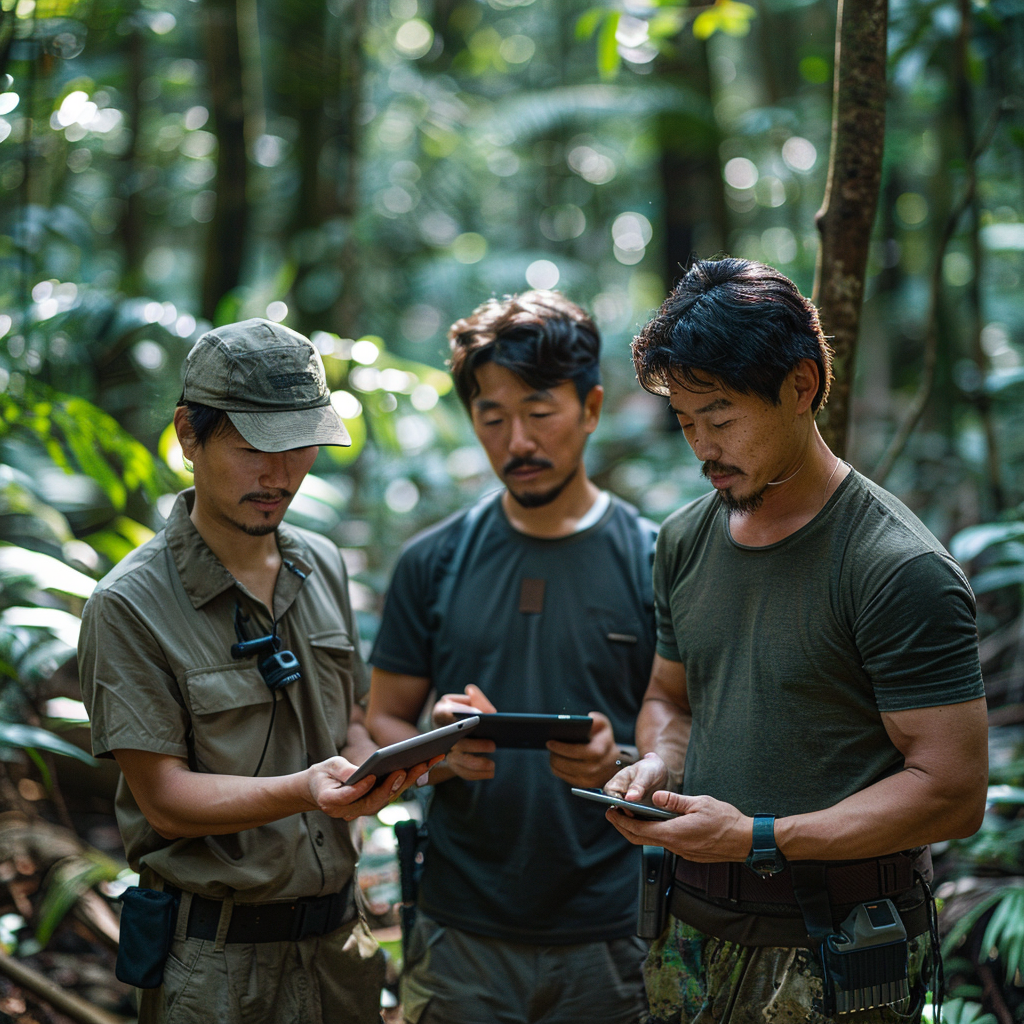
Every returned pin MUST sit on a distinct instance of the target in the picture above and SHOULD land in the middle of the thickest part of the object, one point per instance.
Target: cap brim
(296, 428)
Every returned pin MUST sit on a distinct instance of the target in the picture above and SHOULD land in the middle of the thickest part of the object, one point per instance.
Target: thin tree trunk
(924, 390)
(323, 91)
(982, 401)
(225, 241)
(851, 194)
(131, 222)
(691, 173)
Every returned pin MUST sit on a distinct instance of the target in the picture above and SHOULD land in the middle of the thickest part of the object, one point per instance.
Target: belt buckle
(310, 918)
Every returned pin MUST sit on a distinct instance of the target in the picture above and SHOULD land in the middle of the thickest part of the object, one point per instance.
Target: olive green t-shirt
(793, 650)
(158, 675)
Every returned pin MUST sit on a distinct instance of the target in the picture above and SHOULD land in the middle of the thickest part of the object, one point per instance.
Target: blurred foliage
(368, 171)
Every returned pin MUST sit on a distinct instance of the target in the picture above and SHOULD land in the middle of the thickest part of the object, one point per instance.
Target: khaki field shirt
(158, 675)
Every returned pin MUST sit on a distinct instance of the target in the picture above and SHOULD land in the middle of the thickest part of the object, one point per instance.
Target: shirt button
(319, 839)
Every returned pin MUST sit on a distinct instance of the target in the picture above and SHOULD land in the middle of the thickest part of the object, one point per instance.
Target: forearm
(898, 813)
(190, 804)
(662, 727)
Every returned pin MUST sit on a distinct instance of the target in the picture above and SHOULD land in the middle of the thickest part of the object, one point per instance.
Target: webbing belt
(846, 881)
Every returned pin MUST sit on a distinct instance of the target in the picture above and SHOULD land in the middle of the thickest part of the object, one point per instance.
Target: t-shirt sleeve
(668, 645)
(132, 698)
(918, 639)
(404, 641)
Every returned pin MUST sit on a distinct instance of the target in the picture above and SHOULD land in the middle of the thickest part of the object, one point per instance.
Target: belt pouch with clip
(656, 878)
(147, 929)
(865, 963)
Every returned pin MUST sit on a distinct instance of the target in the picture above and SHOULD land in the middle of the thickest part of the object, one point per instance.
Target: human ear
(186, 436)
(592, 407)
(804, 380)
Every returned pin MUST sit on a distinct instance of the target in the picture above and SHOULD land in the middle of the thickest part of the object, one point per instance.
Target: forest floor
(77, 959)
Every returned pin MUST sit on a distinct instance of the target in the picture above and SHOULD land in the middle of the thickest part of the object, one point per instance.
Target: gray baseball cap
(270, 381)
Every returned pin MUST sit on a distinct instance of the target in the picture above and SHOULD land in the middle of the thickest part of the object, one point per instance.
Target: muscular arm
(180, 803)
(939, 794)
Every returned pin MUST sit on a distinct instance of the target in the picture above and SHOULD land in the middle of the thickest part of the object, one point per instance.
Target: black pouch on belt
(147, 929)
(865, 962)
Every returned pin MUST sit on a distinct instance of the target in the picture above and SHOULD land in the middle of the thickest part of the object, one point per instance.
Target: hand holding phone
(638, 810)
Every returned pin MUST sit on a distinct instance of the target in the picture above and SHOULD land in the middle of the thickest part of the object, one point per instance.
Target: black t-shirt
(517, 856)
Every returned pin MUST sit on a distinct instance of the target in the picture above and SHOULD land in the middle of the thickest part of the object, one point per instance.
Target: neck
(800, 493)
(558, 518)
(253, 561)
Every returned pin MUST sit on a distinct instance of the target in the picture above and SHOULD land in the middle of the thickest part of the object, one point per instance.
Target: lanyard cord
(241, 633)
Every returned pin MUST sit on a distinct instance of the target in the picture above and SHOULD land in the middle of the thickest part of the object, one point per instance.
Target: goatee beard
(750, 503)
(546, 497)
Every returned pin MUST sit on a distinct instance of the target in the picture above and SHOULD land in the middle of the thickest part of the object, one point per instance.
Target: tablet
(412, 751)
(530, 732)
(639, 810)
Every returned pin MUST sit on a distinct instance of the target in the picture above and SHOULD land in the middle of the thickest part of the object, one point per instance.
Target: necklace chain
(776, 483)
(824, 494)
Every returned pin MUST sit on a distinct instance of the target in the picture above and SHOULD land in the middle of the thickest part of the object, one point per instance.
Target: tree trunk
(691, 174)
(851, 195)
(225, 241)
(323, 92)
(131, 222)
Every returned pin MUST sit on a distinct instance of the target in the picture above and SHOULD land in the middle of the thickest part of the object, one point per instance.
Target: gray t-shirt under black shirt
(792, 650)
(518, 857)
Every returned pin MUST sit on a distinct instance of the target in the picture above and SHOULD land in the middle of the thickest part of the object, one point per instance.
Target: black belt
(847, 881)
(268, 922)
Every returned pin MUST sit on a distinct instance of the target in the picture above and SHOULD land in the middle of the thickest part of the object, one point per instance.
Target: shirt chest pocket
(338, 679)
(230, 707)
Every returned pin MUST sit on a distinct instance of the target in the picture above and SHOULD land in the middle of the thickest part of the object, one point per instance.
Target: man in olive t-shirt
(527, 907)
(816, 713)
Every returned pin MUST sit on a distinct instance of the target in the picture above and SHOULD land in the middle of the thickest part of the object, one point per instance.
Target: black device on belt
(268, 922)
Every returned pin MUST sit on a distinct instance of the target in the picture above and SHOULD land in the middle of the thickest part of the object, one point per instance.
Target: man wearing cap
(219, 663)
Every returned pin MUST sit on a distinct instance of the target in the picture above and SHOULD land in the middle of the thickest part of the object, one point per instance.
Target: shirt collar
(203, 574)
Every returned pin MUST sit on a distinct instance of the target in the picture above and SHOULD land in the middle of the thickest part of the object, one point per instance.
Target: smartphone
(412, 751)
(639, 810)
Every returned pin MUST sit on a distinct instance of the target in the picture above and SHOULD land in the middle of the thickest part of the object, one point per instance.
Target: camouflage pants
(693, 978)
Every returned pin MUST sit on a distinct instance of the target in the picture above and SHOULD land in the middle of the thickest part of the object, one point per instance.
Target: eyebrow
(486, 405)
(718, 403)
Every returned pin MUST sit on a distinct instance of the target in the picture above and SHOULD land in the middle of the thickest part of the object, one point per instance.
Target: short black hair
(205, 420)
(540, 336)
(735, 322)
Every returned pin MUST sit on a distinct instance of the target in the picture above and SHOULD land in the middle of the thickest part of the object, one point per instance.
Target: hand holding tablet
(413, 751)
(637, 809)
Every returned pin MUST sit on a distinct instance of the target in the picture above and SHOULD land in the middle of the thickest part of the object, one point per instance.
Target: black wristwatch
(765, 857)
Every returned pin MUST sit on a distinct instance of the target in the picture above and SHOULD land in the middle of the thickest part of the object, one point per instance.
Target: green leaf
(587, 22)
(44, 572)
(15, 734)
(66, 883)
(969, 543)
(993, 579)
(727, 16)
(609, 60)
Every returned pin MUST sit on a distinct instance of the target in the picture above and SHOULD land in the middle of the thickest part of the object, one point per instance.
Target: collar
(203, 574)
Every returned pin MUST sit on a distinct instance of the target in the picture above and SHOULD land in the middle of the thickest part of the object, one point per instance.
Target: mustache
(264, 496)
(720, 469)
(525, 463)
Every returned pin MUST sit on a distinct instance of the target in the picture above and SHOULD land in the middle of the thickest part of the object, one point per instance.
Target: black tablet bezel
(530, 731)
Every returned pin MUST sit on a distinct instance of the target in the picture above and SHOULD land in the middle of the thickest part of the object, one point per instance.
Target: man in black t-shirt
(538, 599)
